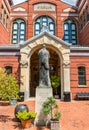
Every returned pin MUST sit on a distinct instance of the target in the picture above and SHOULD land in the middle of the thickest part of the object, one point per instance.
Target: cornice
(79, 48)
(15, 47)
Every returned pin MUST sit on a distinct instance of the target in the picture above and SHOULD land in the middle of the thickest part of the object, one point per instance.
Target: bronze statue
(44, 79)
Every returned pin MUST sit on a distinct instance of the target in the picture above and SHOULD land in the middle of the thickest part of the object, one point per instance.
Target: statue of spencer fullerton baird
(44, 79)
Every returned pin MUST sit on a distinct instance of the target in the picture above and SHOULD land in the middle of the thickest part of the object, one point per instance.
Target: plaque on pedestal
(41, 95)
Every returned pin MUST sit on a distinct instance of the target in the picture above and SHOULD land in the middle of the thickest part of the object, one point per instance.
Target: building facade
(63, 28)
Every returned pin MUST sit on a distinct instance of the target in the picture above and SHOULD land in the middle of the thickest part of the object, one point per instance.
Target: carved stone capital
(24, 63)
(66, 63)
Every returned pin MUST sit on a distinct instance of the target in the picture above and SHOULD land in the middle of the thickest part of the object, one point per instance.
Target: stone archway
(54, 63)
(61, 49)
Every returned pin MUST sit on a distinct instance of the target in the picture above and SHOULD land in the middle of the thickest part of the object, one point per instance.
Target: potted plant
(55, 82)
(9, 88)
(50, 107)
(25, 117)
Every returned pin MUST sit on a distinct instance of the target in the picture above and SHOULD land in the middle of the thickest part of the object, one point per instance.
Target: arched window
(18, 31)
(44, 23)
(81, 75)
(8, 69)
(70, 32)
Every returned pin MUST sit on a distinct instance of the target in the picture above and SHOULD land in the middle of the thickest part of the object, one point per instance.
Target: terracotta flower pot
(26, 123)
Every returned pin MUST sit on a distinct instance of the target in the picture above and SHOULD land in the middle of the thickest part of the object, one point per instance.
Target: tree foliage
(9, 87)
(49, 107)
(55, 82)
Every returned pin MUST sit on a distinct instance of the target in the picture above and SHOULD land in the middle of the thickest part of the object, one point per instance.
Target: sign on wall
(44, 7)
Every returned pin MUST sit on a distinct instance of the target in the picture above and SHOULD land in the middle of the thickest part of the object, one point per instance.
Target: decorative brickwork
(65, 59)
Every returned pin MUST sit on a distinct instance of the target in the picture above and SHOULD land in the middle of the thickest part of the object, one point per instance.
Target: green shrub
(24, 115)
(55, 82)
(9, 87)
(48, 108)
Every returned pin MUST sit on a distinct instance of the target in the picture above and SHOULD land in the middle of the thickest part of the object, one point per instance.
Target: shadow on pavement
(4, 118)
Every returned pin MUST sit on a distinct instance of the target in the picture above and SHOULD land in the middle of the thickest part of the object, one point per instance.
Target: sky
(68, 1)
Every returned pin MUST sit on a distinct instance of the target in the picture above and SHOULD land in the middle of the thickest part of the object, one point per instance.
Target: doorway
(55, 69)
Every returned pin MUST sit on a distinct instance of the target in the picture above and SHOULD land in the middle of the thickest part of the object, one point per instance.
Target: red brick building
(64, 28)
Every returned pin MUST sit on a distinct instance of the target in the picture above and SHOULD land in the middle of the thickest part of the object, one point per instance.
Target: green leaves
(9, 87)
(57, 115)
(49, 106)
(24, 115)
(55, 81)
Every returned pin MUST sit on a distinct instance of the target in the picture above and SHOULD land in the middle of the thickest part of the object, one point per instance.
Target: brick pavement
(74, 116)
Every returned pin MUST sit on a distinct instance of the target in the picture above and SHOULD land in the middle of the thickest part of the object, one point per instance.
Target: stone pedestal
(54, 125)
(41, 95)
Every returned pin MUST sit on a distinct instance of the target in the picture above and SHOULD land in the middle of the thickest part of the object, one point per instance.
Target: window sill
(82, 86)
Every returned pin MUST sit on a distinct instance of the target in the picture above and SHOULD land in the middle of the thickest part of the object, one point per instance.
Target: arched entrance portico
(59, 51)
(55, 69)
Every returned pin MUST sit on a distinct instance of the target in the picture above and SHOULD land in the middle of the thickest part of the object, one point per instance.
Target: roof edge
(42, 34)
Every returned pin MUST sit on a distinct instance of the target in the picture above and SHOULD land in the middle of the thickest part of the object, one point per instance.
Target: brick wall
(84, 36)
(32, 15)
(4, 32)
(58, 16)
(13, 62)
(75, 63)
(83, 15)
(4, 35)
(59, 20)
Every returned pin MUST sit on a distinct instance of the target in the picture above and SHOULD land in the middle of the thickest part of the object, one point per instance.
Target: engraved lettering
(44, 7)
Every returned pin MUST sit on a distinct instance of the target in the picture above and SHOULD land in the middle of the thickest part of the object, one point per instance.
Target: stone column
(24, 86)
(66, 70)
